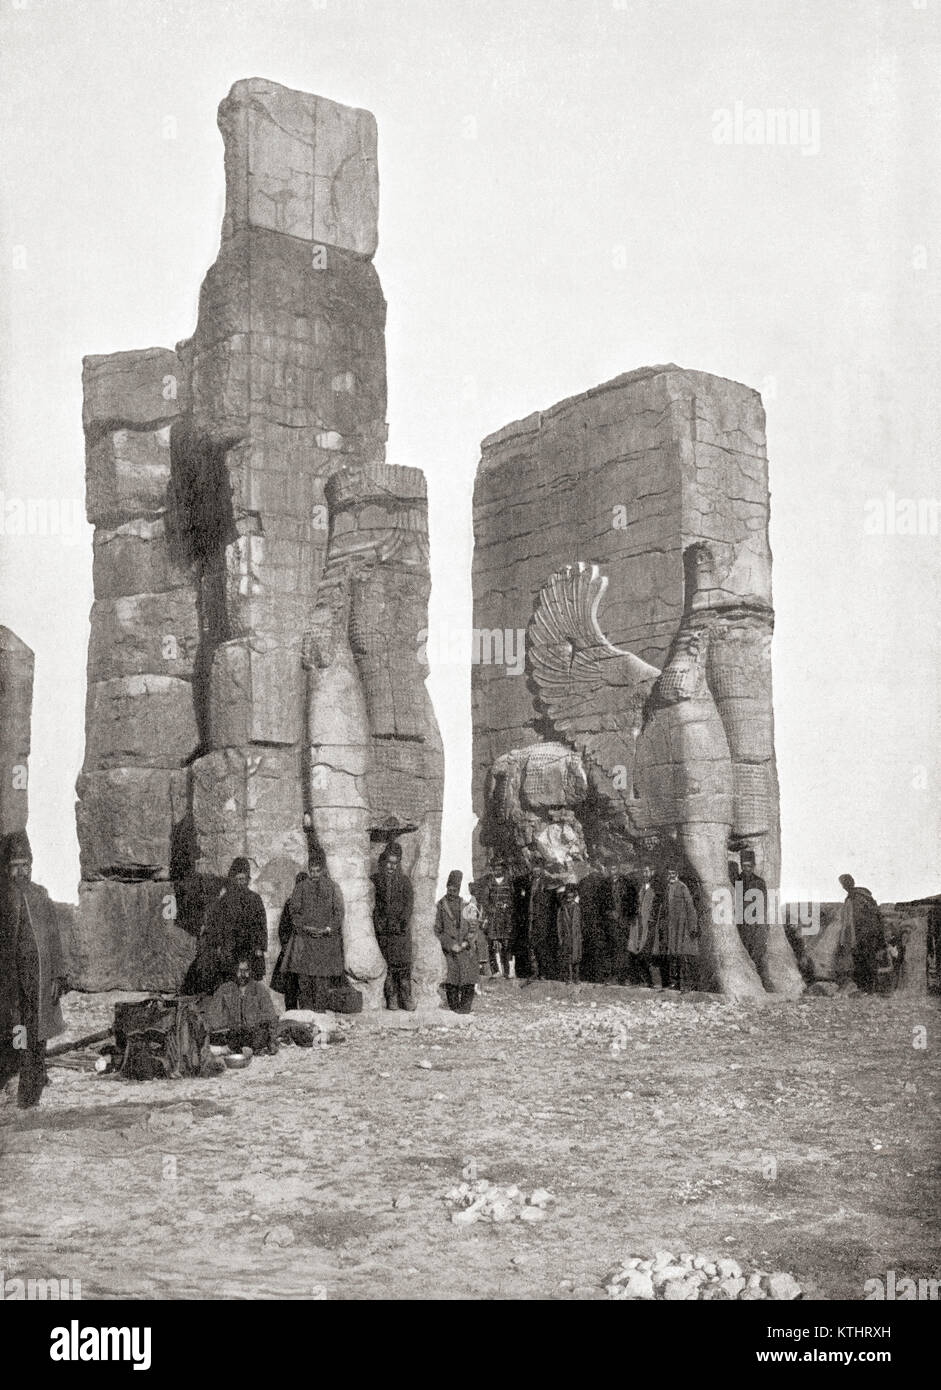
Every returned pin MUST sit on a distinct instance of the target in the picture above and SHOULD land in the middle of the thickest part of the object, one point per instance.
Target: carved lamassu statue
(532, 799)
(672, 752)
(374, 753)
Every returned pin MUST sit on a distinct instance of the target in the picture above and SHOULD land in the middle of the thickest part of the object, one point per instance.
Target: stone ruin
(16, 709)
(256, 675)
(644, 727)
(256, 680)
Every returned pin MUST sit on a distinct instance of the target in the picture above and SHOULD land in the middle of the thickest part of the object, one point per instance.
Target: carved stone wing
(592, 692)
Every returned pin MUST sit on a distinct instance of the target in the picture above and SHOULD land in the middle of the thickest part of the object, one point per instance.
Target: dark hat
(393, 850)
(16, 846)
(239, 865)
(455, 878)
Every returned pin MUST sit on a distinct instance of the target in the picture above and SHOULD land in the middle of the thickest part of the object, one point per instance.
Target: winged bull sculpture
(655, 745)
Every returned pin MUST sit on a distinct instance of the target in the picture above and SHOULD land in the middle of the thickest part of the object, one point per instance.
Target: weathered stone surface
(143, 389)
(652, 473)
(373, 740)
(910, 929)
(247, 801)
(135, 558)
(126, 474)
(124, 936)
(147, 721)
(144, 634)
(255, 693)
(127, 818)
(16, 709)
(214, 532)
(300, 165)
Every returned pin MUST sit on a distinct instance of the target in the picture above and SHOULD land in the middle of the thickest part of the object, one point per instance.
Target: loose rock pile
(488, 1201)
(681, 1278)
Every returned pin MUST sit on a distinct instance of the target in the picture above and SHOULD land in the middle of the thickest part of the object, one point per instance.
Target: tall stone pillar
(376, 763)
(215, 520)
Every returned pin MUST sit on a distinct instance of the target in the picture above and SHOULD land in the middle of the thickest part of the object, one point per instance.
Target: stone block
(142, 389)
(124, 936)
(127, 818)
(126, 475)
(144, 634)
(243, 792)
(147, 721)
(256, 691)
(16, 705)
(300, 165)
(135, 558)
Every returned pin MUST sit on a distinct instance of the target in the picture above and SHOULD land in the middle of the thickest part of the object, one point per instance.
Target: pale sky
(555, 209)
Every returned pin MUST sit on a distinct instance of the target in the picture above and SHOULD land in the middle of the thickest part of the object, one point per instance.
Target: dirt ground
(790, 1136)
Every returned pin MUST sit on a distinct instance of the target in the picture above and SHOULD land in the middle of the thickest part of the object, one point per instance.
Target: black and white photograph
(470, 654)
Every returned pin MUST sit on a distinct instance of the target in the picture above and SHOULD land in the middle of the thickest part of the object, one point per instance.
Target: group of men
(607, 927)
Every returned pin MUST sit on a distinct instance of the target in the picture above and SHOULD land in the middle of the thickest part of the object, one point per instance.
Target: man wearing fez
(391, 918)
(751, 907)
(498, 915)
(679, 934)
(458, 936)
(235, 928)
(315, 951)
(31, 972)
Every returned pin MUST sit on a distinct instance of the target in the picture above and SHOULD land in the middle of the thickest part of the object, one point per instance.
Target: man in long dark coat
(596, 895)
(31, 972)
(569, 933)
(542, 913)
(678, 927)
(752, 919)
(235, 928)
(862, 932)
(285, 981)
(392, 915)
(641, 941)
(458, 936)
(315, 951)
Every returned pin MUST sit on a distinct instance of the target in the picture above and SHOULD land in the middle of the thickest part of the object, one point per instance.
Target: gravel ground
(798, 1137)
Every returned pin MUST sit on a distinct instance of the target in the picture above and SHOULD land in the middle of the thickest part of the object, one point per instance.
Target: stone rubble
(685, 1277)
(488, 1201)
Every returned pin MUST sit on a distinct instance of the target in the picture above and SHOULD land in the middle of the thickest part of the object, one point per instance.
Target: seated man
(241, 1013)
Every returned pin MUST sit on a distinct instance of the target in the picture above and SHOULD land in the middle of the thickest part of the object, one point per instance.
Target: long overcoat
(30, 911)
(458, 937)
(316, 945)
(678, 925)
(392, 915)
